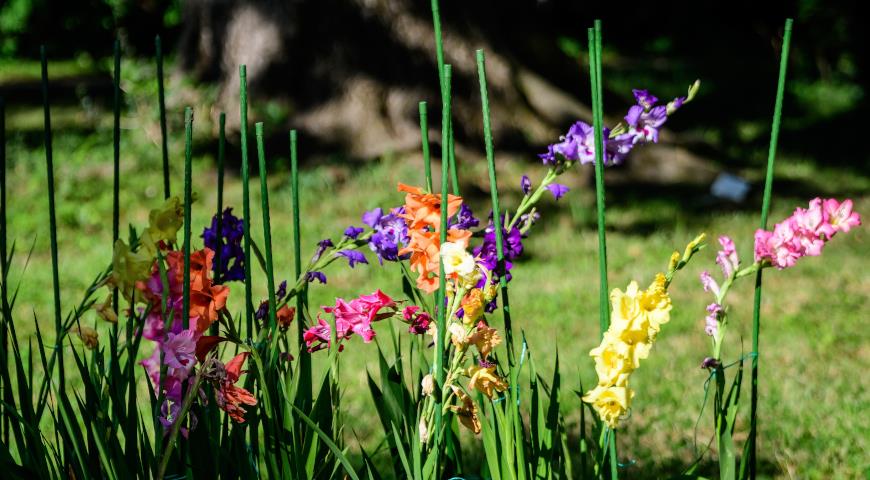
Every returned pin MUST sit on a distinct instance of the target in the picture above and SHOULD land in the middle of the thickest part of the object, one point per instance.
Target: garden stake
(442, 285)
(446, 141)
(302, 296)
(424, 138)
(162, 102)
(594, 35)
(246, 202)
(267, 227)
(116, 165)
(765, 210)
(222, 137)
(496, 209)
(188, 145)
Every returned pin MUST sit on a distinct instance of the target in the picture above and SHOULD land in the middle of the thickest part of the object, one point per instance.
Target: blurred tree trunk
(351, 73)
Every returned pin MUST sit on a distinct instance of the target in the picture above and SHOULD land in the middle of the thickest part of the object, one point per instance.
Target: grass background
(814, 347)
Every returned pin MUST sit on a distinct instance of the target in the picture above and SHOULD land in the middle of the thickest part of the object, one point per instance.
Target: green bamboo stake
(246, 202)
(302, 296)
(52, 222)
(158, 46)
(267, 227)
(222, 140)
(446, 141)
(116, 180)
(442, 284)
(188, 145)
(424, 138)
(765, 210)
(594, 36)
(496, 208)
(598, 120)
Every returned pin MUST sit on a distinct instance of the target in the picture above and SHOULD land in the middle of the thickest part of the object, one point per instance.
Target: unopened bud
(428, 385)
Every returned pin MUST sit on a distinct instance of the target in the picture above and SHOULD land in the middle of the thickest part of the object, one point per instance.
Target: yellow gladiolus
(165, 221)
(128, 267)
(611, 403)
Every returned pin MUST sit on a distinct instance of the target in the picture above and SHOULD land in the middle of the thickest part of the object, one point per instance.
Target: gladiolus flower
(485, 380)
(485, 339)
(228, 396)
(610, 402)
(467, 411)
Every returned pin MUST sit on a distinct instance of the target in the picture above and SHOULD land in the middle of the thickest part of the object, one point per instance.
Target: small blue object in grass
(730, 187)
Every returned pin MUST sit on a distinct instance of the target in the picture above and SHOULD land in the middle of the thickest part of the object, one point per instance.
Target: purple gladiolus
(353, 257)
(465, 219)
(229, 243)
(390, 232)
(352, 232)
(312, 276)
(558, 190)
(321, 247)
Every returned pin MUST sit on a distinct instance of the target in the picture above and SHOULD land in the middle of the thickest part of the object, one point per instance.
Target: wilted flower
(466, 411)
(88, 336)
(106, 311)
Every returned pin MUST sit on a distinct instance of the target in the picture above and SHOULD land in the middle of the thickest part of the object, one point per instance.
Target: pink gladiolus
(419, 321)
(708, 283)
(179, 353)
(727, 257)
(840, 215)
(805, 232)
(320, 334)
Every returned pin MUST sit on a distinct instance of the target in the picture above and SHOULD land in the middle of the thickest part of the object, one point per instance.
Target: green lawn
(814, 350)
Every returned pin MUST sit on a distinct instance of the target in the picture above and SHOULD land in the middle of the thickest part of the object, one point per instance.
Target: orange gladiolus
(424, 209)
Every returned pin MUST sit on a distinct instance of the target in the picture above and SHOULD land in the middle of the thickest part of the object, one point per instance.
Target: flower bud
(489, 292)
(424, 431)
(694, 246)
(674, 262)
(428, 385)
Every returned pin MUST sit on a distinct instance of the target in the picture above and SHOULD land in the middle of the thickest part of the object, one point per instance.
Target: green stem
(765, 209)
(192, 393)
(158, 46)
(188, 194)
